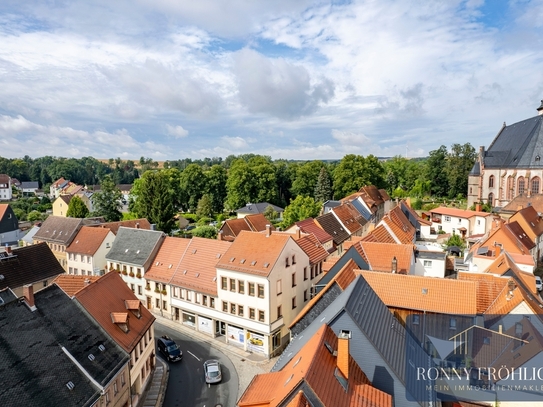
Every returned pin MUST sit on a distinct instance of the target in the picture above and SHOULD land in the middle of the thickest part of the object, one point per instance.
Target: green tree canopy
(300, 208)
(216, 179)
(436, 173)
(204, 206)
(323, 187)
(270, 213)
(208, 232)
(459, 163)
(193, 185)
(77, 208)
(155, 199)
(306, 178)
(107, 201)
(354, 171)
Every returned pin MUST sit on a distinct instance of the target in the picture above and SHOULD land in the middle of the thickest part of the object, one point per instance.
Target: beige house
(87, 253)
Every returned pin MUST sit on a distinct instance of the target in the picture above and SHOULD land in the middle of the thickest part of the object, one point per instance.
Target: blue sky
(170, 79)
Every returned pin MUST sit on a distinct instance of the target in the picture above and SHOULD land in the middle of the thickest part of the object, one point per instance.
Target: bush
(417, 204)
(429, 206)
(191, 217)
(204, 220)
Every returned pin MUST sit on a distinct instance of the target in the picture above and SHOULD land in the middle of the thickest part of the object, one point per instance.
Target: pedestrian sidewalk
(247, 364)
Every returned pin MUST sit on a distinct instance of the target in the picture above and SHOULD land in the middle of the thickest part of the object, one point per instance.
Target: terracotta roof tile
(522, 201)
(167, 259)
(312, 247)
(459, 213)
(112, 292)
(329, 263)
(231, 228)
(3, 209)
(310, 226)
(379, 256)
(71, 284)
(254, 252)
(132, 223)
(343, 278)
(439, 295)
(520, 235)
(488, 288)
(87, 241)
(299, 400)
(379, 234)
(532, 218)
(258, 222)
(199, 261)
(315, 365)
(346, 218)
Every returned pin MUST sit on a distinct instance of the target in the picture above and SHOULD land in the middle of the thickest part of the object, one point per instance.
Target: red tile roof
(431, 294)
(132, 223)
(488, 288)
(379, 256)
(71, 284)
(532, 218)
(231, 228)
(346, 218)
(3, 209)
(312, 247)
(254, 252)
(167, 259)
(379, 234)
(459, 213)
(310, 226)
(315, 365)
(106, 297)
(87, 241)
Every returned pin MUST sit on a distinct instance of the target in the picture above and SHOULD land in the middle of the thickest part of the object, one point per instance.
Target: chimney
(540, 109)
(8, 249)
(268, 230)
(219, 235)
(28, 293)
(394, 265)
(298, 232)
(86, 282)
(497, 250)
(343, 353)
(478, 208)
(137, 225)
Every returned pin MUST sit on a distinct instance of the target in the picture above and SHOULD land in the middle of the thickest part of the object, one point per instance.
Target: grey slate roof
(517, 146)
(58, 229)
(332, 226)
(34, 368)
(252, 208)
(135, 246)
(28, 265)
(30, 185)
(476, 170)
(386, 334)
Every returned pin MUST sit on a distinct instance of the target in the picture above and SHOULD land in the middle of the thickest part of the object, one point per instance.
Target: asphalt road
(186, 383)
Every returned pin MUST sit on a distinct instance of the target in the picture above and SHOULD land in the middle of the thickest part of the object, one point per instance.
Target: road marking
(196, 357)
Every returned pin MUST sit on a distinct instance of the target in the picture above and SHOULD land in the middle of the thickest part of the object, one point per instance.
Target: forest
(217, 185)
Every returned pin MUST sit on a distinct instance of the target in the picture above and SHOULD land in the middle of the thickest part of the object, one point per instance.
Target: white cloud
(176, 131)
(237, 143)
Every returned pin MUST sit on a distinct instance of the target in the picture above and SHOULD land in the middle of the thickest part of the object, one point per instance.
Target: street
(186, 383)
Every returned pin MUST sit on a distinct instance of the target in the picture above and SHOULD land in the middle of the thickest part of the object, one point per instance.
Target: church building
(511, 166)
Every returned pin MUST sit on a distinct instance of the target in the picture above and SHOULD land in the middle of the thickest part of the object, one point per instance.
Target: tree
(436, 173)
(354, 172)
(323, 188)
(154, 199)
(454, 240)
(270, 213)
(265, 182)
(34, 216)
(302, 207)
(193, 185)
(459, 163)
(107, 201)
(216, 179)
(204, 206)
(77, 208)
(208, 232)
(240, 185)
(307, 175)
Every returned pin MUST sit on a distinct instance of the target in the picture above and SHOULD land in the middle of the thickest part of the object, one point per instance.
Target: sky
(301, 80)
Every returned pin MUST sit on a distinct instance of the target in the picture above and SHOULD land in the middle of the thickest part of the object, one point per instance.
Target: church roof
(519, 145)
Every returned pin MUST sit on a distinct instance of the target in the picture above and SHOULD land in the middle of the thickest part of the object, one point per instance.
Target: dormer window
(121, 320)
(134, 307)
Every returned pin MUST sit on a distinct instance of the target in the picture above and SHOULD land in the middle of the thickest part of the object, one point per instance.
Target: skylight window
(101, 347)
(70, 385)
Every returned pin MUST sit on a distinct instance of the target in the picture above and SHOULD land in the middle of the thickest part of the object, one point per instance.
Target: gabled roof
(71, 284)
(199, 262)
(254, 252)
(516, 145)
(412, 215)
(28, 265)
(87, 241)
(520, 235)
(380, 234)
(360, 208)
(30, 184)
(504, 265)
(522, 201)
(134, 246)
(310, 226)
(4, 179)
(8, 219)
(347, 219)
(260, 207)
(331, 225)
(113, 293)
(58, 229)
(141, 223)
(59, 182)
(532, 219)
(314, 370)
(399, 226)
(379, 256)
(312, 247)
(57, 329)
(459, 213)
(167, 259)
(65, 198)
(231, 228)
(431, 294)
(488, 287)
(372, 197)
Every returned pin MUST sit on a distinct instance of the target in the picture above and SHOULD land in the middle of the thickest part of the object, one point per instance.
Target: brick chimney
(268, 230)
(343, 353)
(219, 235)
(28, 293)
(137, 225)
(478, 207)
(8, 249)
(298, 232)
(497, 250)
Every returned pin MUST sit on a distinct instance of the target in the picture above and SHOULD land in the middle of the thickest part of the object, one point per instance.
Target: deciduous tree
(77, 208)
(300, 208)
(107, 201)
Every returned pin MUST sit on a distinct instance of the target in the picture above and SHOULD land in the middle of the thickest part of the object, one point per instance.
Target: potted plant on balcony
(131, 274)
(138, 274)
(157, 290)
(124, 272)
(164, 292)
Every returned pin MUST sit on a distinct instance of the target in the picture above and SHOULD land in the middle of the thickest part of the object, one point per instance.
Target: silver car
(212, 371)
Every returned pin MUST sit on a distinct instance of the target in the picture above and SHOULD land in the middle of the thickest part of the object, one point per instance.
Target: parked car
(169, 349)
(190, 227)
(212, 371)
(538, 283)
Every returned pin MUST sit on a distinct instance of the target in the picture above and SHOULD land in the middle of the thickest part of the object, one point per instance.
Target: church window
(520, 186)
(491, 181)
(535, 185)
